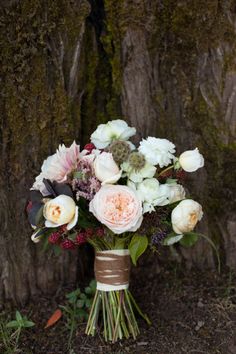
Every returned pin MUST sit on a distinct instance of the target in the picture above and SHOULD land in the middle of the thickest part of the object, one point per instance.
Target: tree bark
(167, 67)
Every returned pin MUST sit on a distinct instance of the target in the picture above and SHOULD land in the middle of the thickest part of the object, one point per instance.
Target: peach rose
(117, 207)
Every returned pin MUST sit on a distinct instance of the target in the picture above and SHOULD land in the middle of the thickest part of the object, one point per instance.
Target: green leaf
(18, 316)
(57, 250)
(82, 313)
(39, 216)
(12, 324)
(171, 239)
(93, 286)
(83, 296)
(28, 324)
(72, 236)
(80, 303)
(189, 239)
(73, 296)
(171, 180)
(119, 243)
(88, 290)
(137, 247)
(88, 303)
(45, 245)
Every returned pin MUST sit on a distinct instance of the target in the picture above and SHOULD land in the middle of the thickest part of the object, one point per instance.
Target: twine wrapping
(112, 269)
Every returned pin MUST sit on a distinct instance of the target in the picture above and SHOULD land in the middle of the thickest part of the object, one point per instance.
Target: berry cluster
(62, 239)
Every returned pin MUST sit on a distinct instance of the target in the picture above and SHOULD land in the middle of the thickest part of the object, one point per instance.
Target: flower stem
(165, 170)
(104, 317)
(143, 315)
(91, 312)
(117, 321)
(117, 310)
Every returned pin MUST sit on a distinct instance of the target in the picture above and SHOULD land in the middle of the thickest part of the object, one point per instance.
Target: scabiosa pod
(120, 151)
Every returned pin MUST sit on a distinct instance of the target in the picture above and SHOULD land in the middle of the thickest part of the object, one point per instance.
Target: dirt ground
(191, 312)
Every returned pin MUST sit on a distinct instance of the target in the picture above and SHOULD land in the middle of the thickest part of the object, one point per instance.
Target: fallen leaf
(54, 318)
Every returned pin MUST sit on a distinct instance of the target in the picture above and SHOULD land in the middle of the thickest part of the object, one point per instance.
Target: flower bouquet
(120, 199)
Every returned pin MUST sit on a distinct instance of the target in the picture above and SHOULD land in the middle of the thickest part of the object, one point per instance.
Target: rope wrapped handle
(112, 269)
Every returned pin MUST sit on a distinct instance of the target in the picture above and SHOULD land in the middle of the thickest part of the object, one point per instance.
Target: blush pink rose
(117, 207)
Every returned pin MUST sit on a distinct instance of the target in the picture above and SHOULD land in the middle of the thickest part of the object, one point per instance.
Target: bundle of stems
(118, 318)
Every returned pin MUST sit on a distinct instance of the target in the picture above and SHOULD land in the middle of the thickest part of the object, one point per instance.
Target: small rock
(142, 343)
(199, 325)
(200, 304)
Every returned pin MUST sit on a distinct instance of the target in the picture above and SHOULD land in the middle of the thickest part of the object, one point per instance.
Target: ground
(191, 312)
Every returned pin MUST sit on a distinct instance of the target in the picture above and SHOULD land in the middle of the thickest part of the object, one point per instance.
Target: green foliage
(189, 239)
(77, 307)
(20, 322)
(10, 332)
(137, 247)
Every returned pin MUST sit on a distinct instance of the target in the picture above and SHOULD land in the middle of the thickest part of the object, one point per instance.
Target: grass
(10, 332)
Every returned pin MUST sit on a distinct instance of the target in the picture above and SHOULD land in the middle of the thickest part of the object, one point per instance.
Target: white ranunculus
(185, 216)
(59, 211)
(105, 168)
(164, 194)
(157, 151)
(113, 130)
(176, 192)
(148, 171)
(191, 160)
(152, 194)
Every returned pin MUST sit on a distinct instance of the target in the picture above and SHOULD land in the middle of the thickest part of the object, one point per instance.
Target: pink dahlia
(58, 166)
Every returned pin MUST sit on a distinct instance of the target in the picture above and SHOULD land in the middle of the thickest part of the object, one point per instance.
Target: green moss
(37, 111)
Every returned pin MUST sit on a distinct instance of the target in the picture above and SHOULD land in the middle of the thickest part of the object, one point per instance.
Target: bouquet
(121, 199)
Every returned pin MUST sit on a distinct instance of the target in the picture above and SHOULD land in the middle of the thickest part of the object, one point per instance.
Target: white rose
(176, 192)
(105, 168)
(113, 130)
(157, 151)
(59, 211)
(185, 216)
(191, 160)
(148, 171)
(152, 194)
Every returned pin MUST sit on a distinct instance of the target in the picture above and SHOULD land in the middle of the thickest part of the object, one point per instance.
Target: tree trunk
(167, 67)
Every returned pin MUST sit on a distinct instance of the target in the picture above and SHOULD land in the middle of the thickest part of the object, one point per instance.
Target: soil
(191, 312)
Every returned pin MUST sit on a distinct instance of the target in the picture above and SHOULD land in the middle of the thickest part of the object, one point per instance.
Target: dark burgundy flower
(81, 238)
(67, 244)
(54, 238)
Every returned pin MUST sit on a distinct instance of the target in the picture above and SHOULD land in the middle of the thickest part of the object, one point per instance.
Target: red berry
(100, 232)
(181, 174)
(89, 232)
(54, 238)
(67, 244)
(90, 147)
(81, 238)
